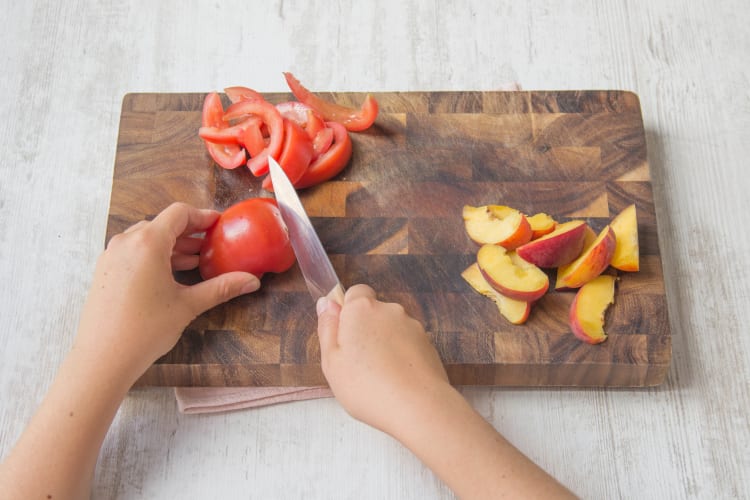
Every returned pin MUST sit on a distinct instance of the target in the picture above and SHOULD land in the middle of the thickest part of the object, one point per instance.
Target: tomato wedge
(229, 134)
(330, 163)
(322, 142)
(271, 118)
(353, 119)
(237, 94)
(295, 155)
(227, 156)
(302, 115)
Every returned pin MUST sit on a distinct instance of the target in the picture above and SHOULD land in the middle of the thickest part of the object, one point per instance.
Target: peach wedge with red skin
(515, 311)
(510, 275)
(591, 263)
(496, 225)
(625, 226)
(557, 248)
(588, 308)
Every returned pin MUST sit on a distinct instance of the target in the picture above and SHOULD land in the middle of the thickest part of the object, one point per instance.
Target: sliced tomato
(295, 155)
(227, 156)
(303, 115)
(271, 118)
(322, 142)
(330, 163)
(229, 134)
(353, 119)
(237, 94)
(253, 140)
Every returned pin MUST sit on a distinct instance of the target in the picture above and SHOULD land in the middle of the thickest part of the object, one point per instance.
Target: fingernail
(253, 283)
(321, 305)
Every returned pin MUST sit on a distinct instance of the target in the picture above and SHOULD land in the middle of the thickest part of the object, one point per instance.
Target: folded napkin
(194, 400)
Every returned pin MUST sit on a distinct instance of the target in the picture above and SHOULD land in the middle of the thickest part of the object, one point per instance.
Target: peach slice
(496, 225)
(591, 263)
(588, 308)
(557, 248)
(515, 311)
(541, 224)
(625, 226)
(510, 275)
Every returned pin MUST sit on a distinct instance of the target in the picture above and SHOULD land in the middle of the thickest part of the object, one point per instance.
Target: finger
(179, 219)
(188, 245)
(182, 262)
(210, 293)
(328, 324)
(136, 226)
(359, 291)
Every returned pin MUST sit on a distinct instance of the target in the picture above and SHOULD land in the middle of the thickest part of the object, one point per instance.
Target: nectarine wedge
(590, 264)
(588, 308)
(510, 275)
(515, 311)
(541, 224)
(625, 226)
(496, 225)
(557, 248)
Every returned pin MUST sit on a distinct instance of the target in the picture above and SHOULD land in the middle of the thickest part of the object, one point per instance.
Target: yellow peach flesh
(589, 306)
(625, 226)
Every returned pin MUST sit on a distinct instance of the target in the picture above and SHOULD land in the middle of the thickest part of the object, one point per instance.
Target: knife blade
(316, 267)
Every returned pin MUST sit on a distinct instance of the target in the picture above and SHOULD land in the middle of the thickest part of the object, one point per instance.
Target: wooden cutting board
(392, 219)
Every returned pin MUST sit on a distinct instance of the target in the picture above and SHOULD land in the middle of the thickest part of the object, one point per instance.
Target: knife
(316, 267)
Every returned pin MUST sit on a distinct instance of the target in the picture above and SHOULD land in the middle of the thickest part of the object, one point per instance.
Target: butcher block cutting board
(393, 220)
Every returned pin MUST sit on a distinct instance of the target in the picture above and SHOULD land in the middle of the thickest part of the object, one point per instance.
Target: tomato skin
(238, 93)
(249, 236)
(226, 155)
(330, 163)
(295, 155)
(354, 120)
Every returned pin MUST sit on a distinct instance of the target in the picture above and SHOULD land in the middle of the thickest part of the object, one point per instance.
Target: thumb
(328, 324)
(210, 293)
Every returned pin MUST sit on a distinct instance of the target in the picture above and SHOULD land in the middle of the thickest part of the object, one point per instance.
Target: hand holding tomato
(249, 236)
(136, 311)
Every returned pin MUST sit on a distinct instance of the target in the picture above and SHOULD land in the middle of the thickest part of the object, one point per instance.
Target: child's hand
(136, 311)
(377, 359)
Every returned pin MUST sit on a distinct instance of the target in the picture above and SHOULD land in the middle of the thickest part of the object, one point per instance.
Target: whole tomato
(249, 236)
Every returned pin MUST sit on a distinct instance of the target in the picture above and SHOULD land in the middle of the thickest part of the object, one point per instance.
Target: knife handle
(337, 294)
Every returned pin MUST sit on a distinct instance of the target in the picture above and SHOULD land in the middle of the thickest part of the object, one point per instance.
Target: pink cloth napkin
(194, 400)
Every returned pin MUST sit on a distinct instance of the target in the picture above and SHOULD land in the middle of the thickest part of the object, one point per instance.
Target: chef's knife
(313, 261)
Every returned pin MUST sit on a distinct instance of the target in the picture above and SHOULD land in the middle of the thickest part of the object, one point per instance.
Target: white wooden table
(65, 67)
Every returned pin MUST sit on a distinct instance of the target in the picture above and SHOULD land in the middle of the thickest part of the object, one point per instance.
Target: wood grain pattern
(393, 220)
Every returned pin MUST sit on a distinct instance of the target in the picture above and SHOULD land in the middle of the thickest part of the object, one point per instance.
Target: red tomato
(295, 155)
(225, 155)
(229, 134)
(237, 94)
(332, 161)
(271, 117)
(249, 236)
(322, 142)
(353, 119)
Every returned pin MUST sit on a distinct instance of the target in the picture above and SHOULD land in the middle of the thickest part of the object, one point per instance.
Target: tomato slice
(271, 118)
(353, 119)
(237, 94)
(253, 140)
(330, 163)
(229, 134)
(322, 142)
(295, 155)
(227, 156)
(303, 115)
